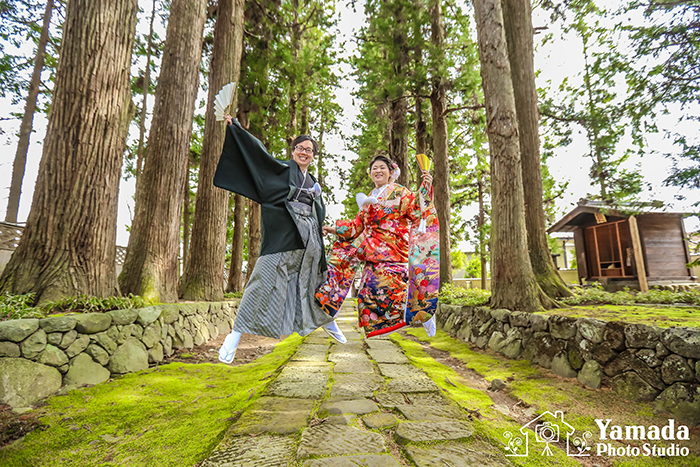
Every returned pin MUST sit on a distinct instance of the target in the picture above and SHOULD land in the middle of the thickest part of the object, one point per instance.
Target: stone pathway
(358, 404)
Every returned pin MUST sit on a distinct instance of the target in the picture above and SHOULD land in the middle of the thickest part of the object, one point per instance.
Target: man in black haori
(279, 297)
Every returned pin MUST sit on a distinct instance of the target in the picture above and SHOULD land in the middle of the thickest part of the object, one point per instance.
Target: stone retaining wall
(39, 356)
(641, 363)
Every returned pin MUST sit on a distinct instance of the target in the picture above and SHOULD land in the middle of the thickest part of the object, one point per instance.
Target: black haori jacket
(248, 169)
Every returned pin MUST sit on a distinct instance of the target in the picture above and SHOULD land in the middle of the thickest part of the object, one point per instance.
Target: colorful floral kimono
(397, 238)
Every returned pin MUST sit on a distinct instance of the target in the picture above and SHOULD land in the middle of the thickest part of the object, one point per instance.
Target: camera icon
(547, 432)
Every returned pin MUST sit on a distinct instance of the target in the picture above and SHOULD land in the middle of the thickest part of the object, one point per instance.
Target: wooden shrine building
(648, 246)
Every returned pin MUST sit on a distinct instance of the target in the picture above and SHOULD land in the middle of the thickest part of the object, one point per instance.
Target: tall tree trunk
(25, 129)
(304, 127)
(421, 128)
(204, 276)
(518, 26)
(186, 220)
(322, 150)
(235, 275)
(438, 101)
(398, 142)
(145, 93)
(150, 266)
(480, 228)
(69, 244)
(254, 236)
(513, 284)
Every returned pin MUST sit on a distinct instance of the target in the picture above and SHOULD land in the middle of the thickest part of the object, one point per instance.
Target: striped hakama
(279, 297)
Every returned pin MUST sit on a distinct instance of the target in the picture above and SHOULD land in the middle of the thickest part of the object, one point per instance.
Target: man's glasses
(303, 149)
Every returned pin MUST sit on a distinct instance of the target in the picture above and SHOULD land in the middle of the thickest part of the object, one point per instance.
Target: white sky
(555, 61)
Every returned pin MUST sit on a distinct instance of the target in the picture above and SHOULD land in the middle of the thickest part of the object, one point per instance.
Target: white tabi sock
(334, 331)
(228, 349)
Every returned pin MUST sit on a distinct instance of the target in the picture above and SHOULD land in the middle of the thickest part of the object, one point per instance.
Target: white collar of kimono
(374, 197)
(314, 191)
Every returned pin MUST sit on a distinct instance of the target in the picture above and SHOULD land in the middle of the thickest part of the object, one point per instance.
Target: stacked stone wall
(642, 363)
(39, 356)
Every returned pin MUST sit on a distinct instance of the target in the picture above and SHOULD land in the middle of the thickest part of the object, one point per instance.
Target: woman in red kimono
(396, 235)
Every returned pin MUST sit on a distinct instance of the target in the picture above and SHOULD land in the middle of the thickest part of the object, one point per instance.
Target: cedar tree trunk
(203, 278)
(441, 184)
(150, 267)
(69, 244)
(518, 26)
(25, 129)
(235, 275)
(513, 284)
(146, 88)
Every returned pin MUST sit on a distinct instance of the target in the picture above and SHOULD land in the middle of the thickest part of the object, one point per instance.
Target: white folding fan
(223, 100)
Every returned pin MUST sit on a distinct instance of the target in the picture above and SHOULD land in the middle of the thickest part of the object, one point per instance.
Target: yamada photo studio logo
(538, 435)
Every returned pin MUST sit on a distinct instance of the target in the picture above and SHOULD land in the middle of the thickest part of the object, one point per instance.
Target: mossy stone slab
(357, 364)
(371, 460)
(424, 384)
(355, 406)
(387, 355)
(394, 399)
(356, 385)
(265, 450)
(419, 432)
(311, 353)
(424, 413)
(375, 343)
(338, 440)
(380, 420)
(391, 370)
(306, 380)
(274, 415)
(455, 455)
(347, 351)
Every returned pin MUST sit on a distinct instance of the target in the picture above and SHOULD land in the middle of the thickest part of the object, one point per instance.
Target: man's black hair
(302, 138)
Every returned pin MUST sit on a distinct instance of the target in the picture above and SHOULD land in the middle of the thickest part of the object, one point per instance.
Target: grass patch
(453, 295)
(22, 306)
(173, 415)
(492, 425)
(543, 390)
(664, 317)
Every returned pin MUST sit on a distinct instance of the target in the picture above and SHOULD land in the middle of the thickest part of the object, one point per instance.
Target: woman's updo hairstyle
(382, 158)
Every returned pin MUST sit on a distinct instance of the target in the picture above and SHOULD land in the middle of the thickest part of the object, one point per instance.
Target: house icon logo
(549, 428)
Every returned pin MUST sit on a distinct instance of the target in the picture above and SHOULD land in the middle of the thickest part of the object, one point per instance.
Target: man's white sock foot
(228, 349)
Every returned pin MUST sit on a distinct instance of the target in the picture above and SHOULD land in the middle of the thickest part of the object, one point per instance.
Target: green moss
(490, 425)
(173, 415)
(540, 389)
(664, 317)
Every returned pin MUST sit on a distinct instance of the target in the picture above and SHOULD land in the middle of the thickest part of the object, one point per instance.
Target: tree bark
(150, 266)
(25, 129)
(235, 275)
(438, 101)
(69, 244)
(518, 26)
(146, 91)
(398, 137)
(186, 219)
(480, 228)
(203, 278)
(254, 236)
(513, 284)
